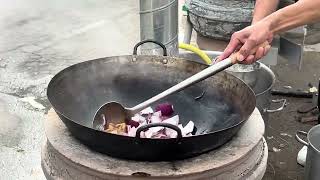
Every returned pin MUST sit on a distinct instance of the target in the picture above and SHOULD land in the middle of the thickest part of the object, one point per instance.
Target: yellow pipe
(196, 50)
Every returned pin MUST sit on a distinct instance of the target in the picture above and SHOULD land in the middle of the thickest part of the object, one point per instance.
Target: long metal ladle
(116, 113)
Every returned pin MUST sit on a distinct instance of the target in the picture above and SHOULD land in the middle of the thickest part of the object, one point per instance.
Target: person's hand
(245, 42)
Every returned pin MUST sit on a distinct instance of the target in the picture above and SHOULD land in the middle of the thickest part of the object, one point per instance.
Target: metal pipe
(159, 22)
(187, 31)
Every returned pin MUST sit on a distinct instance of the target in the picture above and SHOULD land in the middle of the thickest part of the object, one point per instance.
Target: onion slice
(156, 117)
(165, 108)
(173, 120)
(153, 131)
(132, 123)
(164, 113)
(147, 111)
(131, 131)
(138, 118)
(188, 128)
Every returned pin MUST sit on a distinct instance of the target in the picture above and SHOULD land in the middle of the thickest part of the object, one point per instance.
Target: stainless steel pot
(312, 168)
(261, 79)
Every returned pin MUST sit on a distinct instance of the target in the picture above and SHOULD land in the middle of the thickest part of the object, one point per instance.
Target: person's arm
(301, 13)
(263, 8)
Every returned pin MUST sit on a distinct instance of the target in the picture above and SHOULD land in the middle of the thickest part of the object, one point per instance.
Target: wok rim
(57, 75)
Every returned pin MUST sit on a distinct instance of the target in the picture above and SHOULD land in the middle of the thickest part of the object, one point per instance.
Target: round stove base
(244, 157)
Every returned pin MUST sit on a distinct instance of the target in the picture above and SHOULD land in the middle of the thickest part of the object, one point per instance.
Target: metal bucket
(311, 171)
(159, 22)
(258, 76)
(261, 79)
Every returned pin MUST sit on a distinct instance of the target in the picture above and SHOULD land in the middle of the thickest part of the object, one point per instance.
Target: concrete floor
(283, 125)
(282, 165)
(39, 38)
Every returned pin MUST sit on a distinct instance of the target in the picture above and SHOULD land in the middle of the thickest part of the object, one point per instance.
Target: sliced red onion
(173, 120)
(153, 131)
(138, 118)
(158, 114)
(132, 123)
(148, 134)
(162, 114)
(160, 135)
(165, 108)
(181, 128)
(171, 133)
(131, 131)
(156, 118)
(156, 130)
(143, 123)
(188, 128)
(146, 111)
(142, 134)
(164, 118)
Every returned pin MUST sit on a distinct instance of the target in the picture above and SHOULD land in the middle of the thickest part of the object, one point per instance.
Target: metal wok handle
(135, 49)
(299, 139)
(284, 103)
(171, 126)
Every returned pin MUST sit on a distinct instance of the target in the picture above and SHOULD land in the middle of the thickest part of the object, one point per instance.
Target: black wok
(79, 90)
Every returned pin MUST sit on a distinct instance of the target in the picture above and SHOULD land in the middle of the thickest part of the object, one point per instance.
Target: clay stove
(244, 157)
